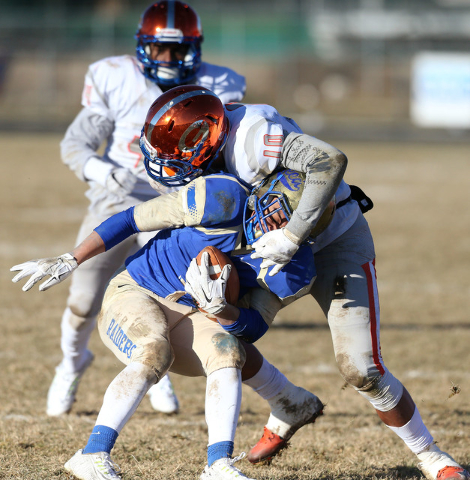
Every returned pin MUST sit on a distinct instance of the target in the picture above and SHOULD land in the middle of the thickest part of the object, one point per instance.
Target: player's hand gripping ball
(212, 280)
(217, 261)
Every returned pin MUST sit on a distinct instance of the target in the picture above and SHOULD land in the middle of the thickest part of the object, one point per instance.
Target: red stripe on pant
(369, 270)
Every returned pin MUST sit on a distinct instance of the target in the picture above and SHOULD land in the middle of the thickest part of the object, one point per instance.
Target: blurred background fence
(365, 69)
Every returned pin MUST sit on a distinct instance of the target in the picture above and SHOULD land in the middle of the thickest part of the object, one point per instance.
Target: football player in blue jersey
(151, 322)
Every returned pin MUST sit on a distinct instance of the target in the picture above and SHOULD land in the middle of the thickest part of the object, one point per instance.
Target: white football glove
(59, 268)
(208, 293)
(120, 181)
(276, 249)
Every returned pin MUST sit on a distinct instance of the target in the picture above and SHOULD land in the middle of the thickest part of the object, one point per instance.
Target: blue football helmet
(272, 202)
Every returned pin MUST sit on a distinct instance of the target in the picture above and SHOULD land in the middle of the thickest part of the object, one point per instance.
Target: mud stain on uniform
(226, 344)
(348, 371)
(213, 390)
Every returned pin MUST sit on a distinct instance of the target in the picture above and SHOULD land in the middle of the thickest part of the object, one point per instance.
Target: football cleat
(63, 389)
(163, 398)
(267, 447)
(273, 442)
(438, 465)
(223, 469)
(93, 466)
(454, 473)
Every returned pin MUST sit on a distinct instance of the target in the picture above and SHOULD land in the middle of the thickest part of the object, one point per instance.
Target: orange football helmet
(184, 132)
(172, 23)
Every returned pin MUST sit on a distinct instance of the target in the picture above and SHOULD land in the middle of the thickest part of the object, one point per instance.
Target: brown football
(217, 261)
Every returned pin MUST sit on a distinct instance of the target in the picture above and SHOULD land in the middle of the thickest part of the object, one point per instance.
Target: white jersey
(116, 89)
(253, 151)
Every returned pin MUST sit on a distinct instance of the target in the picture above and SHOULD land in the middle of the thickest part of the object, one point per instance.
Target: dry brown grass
(421, 227)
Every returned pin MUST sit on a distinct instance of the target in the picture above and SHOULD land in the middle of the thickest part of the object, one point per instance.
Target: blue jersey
(210, 212)
(161, 265)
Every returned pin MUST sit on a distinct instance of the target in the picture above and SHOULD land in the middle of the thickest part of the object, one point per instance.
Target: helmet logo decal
(200, 130)
(181, 98)
(292, 180)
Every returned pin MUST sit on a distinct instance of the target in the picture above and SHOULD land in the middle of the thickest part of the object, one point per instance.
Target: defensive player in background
(178, 143)
(117, 94)
(151, 324)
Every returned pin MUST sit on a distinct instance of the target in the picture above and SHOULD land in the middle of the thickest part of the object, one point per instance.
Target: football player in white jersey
(151, 323)
(117, 94)
(252, 142)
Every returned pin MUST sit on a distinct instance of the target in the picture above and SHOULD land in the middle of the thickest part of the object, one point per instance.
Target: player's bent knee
(78, 322)
(84, 306)
(227, 353)
(158, 355)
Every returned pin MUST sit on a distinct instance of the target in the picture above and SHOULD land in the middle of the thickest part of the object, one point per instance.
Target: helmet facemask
(265, 211)
(174, 170)
(272, 202)
(170, 24)
(169, 73)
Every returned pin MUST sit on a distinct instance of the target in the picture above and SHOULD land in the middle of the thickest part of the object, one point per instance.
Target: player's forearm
(106, 235)
(92, 245)
(82, 139)
(228, 316)
(324, 166)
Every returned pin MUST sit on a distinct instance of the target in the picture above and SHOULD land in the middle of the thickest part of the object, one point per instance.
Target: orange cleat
(271, 444)
(267, 447)
(453, 473)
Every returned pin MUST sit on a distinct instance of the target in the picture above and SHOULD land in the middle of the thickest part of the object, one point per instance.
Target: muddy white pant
(346, 290)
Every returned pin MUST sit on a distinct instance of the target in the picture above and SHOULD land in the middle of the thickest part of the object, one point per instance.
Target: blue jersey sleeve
(117, 228)
(250, 325)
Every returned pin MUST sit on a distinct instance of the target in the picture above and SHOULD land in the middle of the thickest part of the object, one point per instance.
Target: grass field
(421, 227)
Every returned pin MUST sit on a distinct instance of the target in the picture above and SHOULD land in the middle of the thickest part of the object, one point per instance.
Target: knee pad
(383, 391)
(227, 352)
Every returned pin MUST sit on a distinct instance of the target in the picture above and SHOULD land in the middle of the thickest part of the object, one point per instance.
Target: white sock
(415, 434)
(291, 406)
(74, 341)
(223, 400)
(124, 395)
(268, 381)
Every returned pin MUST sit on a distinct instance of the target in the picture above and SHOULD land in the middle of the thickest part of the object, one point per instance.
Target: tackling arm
(324, 166)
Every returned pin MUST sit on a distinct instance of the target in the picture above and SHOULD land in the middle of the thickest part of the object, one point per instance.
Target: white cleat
(223, 469)
(93, 466)
(162, 396)
(64, 387)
